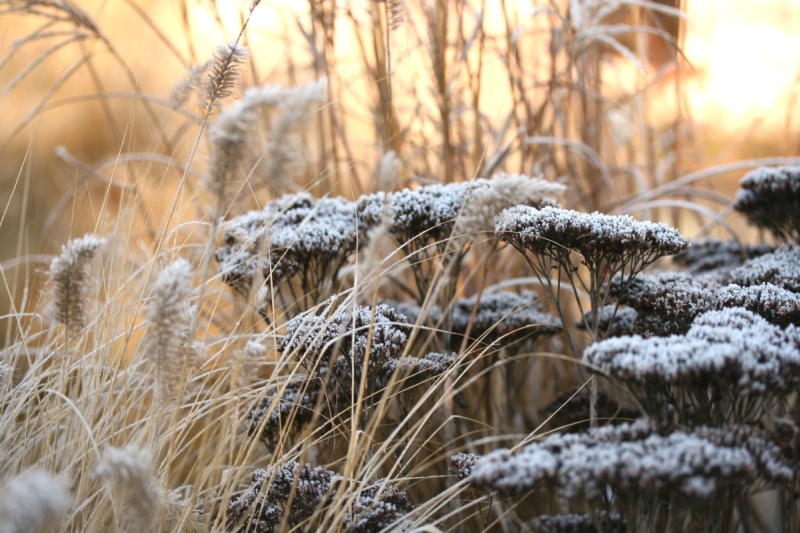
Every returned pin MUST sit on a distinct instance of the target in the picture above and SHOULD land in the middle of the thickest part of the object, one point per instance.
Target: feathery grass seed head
(70, 274)
(33, 501)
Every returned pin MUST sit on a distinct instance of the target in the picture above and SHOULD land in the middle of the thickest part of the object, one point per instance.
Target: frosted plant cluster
(668, 303)
(296, 492)
(579, 523)
(732, 346)
(780, 268)
(770, 199)
(503, 316)
(295, 235)
(635, 458)
(714, 255)
(610, 238)
(333, 351)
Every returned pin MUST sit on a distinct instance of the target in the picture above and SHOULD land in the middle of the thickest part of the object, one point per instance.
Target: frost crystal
(770, 199)
(635, 458)
(731, 345)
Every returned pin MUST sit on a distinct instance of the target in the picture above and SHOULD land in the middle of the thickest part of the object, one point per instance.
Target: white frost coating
(733, 343)
(635, 457)
(588, 233)
(780, 268)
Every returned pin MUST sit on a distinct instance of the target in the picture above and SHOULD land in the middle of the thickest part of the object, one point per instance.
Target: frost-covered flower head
(333, 351)
(732, 347)
(502, 314)
(780, 268)
(296, 492)
(713, 255)
(308, 238)
(770, 199)
(636, 459)
(597, 237)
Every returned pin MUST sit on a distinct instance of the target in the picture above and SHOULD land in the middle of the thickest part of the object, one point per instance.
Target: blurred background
(616, 99)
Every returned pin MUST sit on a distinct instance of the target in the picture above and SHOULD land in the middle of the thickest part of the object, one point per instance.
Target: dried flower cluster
(503, 316)
(732, 347)
(636, 459)
(780, 268)
(713, 255)
(295, 236)
(668, 303)
(336, 351)
(770, 199)
(294, 493)
(608, 245)
(600, 521)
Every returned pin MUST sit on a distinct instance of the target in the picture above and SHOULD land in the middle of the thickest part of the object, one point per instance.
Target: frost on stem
(713, 255)
(333, 351)
(71, 276)
(503, 316)
(297, 492)
(129, 471)
(770, 199)
(780, 268)
(169, 341)
(731, 348)
(295, 237)
(636, 460)
(33, 501)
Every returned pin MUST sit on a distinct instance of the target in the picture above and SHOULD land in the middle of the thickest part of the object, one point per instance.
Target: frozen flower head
(336, 352)
(295, 237)
(636, 460)
(780, 268)
(70, 274)
(503, 316)
(33, 501)
(297, 492)
(422, 216)
(732, 349)
(668, 303)
(579, 523)
(770, 199)
(609, 239)
(713, 255)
